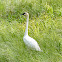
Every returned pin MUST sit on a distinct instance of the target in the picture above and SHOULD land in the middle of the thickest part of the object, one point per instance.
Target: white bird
(30, 42)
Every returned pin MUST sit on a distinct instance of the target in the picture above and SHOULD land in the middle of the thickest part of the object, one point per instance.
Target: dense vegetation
(45, 26)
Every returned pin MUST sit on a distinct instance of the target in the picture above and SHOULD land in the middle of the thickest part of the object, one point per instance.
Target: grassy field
(45, 26)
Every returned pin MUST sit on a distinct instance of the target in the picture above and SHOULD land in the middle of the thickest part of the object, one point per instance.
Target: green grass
(45, 26)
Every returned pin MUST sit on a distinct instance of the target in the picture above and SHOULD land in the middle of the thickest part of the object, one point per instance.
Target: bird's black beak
(23, 14)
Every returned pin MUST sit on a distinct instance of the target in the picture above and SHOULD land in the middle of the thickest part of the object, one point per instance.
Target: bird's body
(30, 42)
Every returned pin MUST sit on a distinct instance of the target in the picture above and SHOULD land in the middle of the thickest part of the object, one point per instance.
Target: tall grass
(45, 26)
(12, 9)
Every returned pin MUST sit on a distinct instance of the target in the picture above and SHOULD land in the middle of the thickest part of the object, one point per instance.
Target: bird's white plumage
(30, 42)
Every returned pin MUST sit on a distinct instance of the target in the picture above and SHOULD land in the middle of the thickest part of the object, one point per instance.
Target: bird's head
(26, 14)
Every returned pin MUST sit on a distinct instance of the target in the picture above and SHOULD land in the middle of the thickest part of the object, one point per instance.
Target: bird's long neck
(26, 30)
